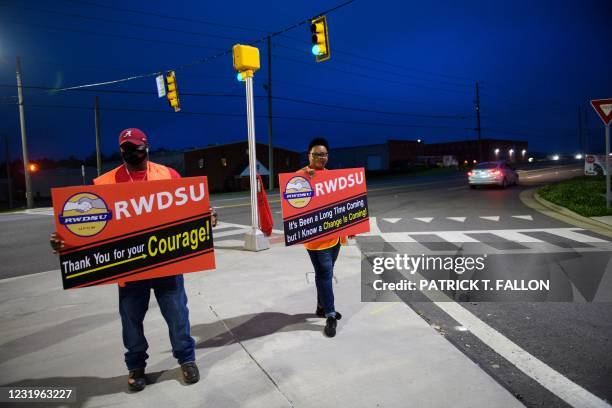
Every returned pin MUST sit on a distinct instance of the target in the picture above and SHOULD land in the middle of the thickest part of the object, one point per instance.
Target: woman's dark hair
(317, 141)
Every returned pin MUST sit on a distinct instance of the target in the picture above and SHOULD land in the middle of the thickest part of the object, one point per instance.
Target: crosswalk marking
(391, 220)
(491, 218)
(424, 219)
(458, 219)
(523, 217)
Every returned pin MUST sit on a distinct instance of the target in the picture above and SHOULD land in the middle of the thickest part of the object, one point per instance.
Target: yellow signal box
(246, 60)
(172, 94)
(320, 39)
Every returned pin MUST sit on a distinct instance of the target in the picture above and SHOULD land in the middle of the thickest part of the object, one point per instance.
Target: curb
(570, 213)
(532, 199)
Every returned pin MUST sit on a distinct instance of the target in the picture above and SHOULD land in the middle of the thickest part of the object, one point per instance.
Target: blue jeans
(172, 299)
(323, 262)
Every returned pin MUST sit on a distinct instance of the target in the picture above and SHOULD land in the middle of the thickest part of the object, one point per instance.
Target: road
(439, 214)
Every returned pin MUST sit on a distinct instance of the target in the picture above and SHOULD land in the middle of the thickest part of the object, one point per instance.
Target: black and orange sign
(330, 204)
(133, 231)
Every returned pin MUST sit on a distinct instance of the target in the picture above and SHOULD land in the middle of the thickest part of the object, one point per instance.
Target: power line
(310, 119)
(129, 23)
(202, 60)
(166, 16)
(281, 98)
(401, 74)
(375, 77)
(121, 36)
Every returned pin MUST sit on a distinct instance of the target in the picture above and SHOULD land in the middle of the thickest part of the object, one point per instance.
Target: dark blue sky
(536, 63)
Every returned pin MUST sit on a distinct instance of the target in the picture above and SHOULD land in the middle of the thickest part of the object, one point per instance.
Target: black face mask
(134, 156)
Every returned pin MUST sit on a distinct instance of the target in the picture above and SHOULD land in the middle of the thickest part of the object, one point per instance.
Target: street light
(578, 156)
(33, 167)
(511, 152)
(496, 151)
(524, 152)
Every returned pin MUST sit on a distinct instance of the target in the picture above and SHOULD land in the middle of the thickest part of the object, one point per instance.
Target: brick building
(225, 164)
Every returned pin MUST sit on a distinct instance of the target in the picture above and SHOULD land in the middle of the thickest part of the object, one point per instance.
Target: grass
(585, 195)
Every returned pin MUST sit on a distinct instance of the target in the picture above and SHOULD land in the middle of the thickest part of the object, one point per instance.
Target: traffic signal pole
(246, 62)
(270, 145)
(24, 144)
(608, 166)
(98, 150)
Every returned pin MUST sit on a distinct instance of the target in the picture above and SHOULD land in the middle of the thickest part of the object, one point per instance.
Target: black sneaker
(191, 374)
(136, 380)
(321, 313)
(330, 326)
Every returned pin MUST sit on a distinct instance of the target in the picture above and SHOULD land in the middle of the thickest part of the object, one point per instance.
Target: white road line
(539, 371)
(374, 230)
(424, 219)
(550, 379)
(458, 219)
(392, 220)
(523, 217)
(574, 236)
(455, 236)
(539, 175)
(515, 236)
(509, 234)
(14, 278)
(397, 237)
(491, 218)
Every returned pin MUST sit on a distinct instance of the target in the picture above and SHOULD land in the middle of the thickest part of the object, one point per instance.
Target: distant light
(578, 156)
(474, 161)
(418, 140)
(316, 50)
(511, 151)
(555, 157)
(465, 162)
(530, 160)
(496, 151)
(33, 167)
(523, 152)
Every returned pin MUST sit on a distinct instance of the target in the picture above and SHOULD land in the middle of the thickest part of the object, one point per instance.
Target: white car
(493, 173)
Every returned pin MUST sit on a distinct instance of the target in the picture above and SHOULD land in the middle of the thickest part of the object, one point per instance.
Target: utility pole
(579, 130)
(587, 133)
(24, 144)
(478, 122)
(270, 146)
(98, 151)
(8, 173)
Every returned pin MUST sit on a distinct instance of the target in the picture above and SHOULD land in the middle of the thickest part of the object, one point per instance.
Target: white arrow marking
(426, 219)
(523, 217)
(391, 220)
(458, 219)
(492, 218)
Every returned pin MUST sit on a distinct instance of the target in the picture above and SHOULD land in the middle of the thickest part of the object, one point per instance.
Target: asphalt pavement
(543, 353)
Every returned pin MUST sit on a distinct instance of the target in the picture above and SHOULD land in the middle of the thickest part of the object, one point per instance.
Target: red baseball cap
(134, 136)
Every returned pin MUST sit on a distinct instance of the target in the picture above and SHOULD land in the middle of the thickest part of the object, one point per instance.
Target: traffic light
(172, 94)
(320, 39)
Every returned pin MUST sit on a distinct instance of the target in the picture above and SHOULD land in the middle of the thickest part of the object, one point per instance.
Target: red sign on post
(603, 107)
(132, 231)
(330, 204)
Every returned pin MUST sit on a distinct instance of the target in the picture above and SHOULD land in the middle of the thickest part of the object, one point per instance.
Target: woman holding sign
(323, 253)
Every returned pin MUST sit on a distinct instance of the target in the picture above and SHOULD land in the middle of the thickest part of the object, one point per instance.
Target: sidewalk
(258, 343)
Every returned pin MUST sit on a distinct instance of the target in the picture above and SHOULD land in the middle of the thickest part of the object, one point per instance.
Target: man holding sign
(320, 209)
(134, 294)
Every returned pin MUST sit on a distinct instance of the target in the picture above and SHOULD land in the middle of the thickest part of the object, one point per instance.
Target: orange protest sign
(133, 231)
(330, 204)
